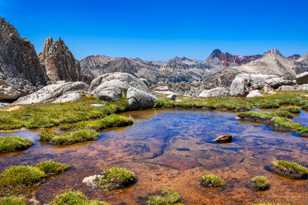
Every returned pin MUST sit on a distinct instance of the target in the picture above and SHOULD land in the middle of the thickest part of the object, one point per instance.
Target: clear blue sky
(161, 29)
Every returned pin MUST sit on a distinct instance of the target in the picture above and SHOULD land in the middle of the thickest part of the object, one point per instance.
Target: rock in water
(20, 69)
(302, 78)
(139, 99)
(215, 92)
(113, 86)
(59, 62)
(226, 138)
(56, 93)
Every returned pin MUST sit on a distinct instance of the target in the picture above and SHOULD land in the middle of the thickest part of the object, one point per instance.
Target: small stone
(254, 93)
(172, 97)
(226, 138)
(91, 180)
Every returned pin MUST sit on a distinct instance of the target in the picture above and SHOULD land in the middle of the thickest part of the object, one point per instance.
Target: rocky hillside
(59, 62)
(20, 69)
(301, 64)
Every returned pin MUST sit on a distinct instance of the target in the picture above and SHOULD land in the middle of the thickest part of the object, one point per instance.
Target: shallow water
(171, 148)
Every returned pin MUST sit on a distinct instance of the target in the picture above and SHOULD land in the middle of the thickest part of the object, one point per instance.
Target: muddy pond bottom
(172, 149)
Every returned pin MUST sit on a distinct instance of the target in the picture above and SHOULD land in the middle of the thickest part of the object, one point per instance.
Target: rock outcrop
(139, 99)
(59, 92)
(20, 69)
(302, 78)
(254, 93)
(112, 86)
(59, 62)
(243, 83)
(215, 92)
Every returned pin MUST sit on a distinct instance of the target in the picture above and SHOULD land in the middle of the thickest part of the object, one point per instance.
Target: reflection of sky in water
(33, 136)
(302, 118)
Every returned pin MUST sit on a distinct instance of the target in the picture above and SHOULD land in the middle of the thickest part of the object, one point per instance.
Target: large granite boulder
(215, 92)
(59, 62)
(243, 83)
(139, 99)
(56, 93)
(20, 69)
(112, 86)
(302, 78)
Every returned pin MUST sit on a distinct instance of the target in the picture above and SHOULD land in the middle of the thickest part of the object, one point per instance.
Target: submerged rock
(290, 169)
(56, 93)
(226, 138)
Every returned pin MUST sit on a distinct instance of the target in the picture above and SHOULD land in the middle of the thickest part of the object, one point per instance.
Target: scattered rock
(55, 93)
(226, 138)
(302, 78)
(215, 92)
(172, 97)
(239, 86)
(254, 93)
(91, 180)
(139, 99)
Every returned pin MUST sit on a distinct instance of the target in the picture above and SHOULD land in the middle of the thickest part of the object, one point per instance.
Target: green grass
(116, 178)
(260, 183)
(68, 138)
(290, 169)
(12, 200)
(211, 180)
(165, 197)
(14, 143)
(109, 121)
(270, 203)
(51, 115)
(20, 175)
(52, 167)
(75, 198)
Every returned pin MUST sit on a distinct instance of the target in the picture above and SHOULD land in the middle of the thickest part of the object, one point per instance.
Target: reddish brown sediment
(173, 149)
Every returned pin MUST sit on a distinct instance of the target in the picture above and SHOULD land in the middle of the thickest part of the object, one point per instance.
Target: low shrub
(12, 200)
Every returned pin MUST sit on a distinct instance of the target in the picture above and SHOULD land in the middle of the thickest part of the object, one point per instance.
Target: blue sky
(158, 30)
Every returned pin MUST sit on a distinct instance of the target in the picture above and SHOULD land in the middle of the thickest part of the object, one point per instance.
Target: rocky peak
(59, 62)
(273, 52)
(20, 69)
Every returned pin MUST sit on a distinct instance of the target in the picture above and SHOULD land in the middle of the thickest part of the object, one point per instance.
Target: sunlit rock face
(20, 69)
(59, 62)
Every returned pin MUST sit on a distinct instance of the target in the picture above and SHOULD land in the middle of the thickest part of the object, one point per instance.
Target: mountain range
(22, 70)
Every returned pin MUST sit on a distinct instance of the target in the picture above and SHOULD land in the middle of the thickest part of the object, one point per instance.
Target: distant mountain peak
(274, 52)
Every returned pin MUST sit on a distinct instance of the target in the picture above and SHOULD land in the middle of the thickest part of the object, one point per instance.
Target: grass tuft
(12, 200)
(75, 198)
(116, 178)
(260, 183)
(211, 180)
(14, 143)
(290, 169)
(68, 138)
(51, 167)
(165, 197)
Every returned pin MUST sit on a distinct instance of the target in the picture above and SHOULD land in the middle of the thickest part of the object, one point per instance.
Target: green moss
(260, 183)
(12, 200)
(284, 123)
(290, 169)
(51, 115)
(20, 175)
(291, 109)
(52, 167)
(14, 143)
(116, 178)
(165, 197)
(255, 116)
(75, 198)
(68, 138)
(211, 180)
(283, 113)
